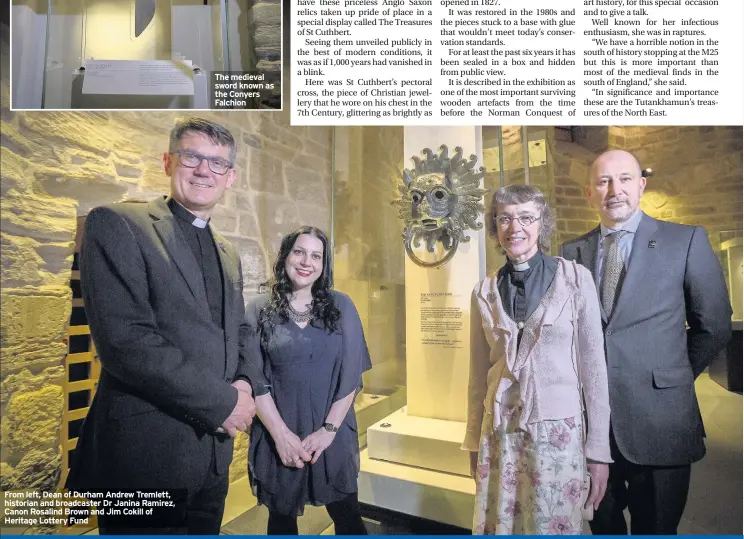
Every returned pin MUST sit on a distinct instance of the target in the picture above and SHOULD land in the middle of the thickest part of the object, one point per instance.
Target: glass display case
(726, 368)
(514, 155)
(411, 411)
(733, 253)
(136, 37)
(369, 258)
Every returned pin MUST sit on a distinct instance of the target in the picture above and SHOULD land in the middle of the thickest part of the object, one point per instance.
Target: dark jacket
(166, 366)
(673, 278)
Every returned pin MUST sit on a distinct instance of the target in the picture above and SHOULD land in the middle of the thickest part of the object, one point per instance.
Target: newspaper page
(452, 62)
(402, 119)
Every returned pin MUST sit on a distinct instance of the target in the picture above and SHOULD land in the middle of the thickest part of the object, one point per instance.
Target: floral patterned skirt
(529, 482)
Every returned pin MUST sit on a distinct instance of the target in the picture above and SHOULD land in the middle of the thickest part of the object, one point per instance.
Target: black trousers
(654, 495)
(202, 514)
(345, 513)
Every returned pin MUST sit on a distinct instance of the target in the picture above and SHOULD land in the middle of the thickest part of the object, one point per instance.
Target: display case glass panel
(369, 253)
(369, 258)
(733, 259)
(514, 155)
(80, 31)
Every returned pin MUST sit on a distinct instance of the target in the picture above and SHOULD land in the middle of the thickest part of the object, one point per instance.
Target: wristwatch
(330, 427)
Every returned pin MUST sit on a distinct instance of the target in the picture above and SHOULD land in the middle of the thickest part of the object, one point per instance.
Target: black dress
(307, 369)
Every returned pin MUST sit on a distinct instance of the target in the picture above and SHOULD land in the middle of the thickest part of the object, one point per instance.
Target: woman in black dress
(309, 343)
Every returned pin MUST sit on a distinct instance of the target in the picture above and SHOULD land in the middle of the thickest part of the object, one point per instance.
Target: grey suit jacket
(673, 278)
(166, 366)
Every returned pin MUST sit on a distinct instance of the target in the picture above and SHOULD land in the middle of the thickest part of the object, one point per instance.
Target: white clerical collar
(527, 264)
(198, 222)
(180, 210)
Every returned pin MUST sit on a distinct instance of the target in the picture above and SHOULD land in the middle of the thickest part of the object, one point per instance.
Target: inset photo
(146, 54)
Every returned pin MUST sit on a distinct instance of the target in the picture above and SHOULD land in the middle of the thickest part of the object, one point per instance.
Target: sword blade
(144, 12)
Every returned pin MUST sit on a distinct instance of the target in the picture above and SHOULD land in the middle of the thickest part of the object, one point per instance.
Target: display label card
(139, 77)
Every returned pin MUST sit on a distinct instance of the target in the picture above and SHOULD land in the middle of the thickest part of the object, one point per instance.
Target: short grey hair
(521, 194)
(216, 133)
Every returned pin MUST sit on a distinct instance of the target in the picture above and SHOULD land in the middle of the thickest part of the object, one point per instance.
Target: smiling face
(520, 242)
(198, 189)
(304, 264)
(615, 187)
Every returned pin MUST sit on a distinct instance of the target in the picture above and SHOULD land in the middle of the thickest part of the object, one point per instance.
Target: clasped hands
(245, 409)
(295, 453)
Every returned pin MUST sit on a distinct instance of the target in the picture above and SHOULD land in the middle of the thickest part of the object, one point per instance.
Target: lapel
(587, 251)
(587, 257)
(491, 308)
(176, 246)
(641, 258)
(228, 266)
(551, 306)
(497, 325)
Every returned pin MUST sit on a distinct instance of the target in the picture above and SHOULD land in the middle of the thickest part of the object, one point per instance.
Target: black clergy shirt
(202, 244)
(522, 286)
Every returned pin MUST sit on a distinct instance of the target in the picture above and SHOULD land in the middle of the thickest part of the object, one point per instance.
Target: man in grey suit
(653, 277)
(163, 296)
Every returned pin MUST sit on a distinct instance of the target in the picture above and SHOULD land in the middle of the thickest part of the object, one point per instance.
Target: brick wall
(697, 176)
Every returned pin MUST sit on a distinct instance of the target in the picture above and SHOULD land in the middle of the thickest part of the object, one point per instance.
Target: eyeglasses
(192, 159)
(505, 220)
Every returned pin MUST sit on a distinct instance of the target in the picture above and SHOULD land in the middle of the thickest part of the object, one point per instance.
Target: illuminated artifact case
(726, 369)
(416, 319)
(138, 36)
(733, 249)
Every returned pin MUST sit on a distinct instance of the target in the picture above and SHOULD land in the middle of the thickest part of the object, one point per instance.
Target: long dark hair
(323, 306)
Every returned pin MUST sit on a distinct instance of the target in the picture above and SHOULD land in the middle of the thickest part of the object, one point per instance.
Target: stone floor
(715, 501)
(714, 505)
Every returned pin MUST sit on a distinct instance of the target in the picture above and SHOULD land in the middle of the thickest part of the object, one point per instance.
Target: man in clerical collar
(654, 278)
(163, 296)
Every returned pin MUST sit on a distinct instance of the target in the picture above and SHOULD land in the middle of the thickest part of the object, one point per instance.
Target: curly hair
(521, 194)
(323, 307)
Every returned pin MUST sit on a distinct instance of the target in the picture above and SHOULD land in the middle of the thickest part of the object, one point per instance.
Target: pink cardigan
(546, 365)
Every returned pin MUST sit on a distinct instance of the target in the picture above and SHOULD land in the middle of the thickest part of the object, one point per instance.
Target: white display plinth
(438, 359)
(414, 464)
(371, 408)
(419, 441)
(368, 411)
(436, 496)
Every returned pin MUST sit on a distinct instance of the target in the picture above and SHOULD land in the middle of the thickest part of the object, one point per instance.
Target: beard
(619, 212)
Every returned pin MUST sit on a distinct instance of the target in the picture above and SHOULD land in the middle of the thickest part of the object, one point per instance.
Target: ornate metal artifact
(440, 199)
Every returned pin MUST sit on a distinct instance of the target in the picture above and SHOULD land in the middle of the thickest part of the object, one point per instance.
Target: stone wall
(265, 23)
(570, 166)
(263, 50)
(697, 176)
(58, 165)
